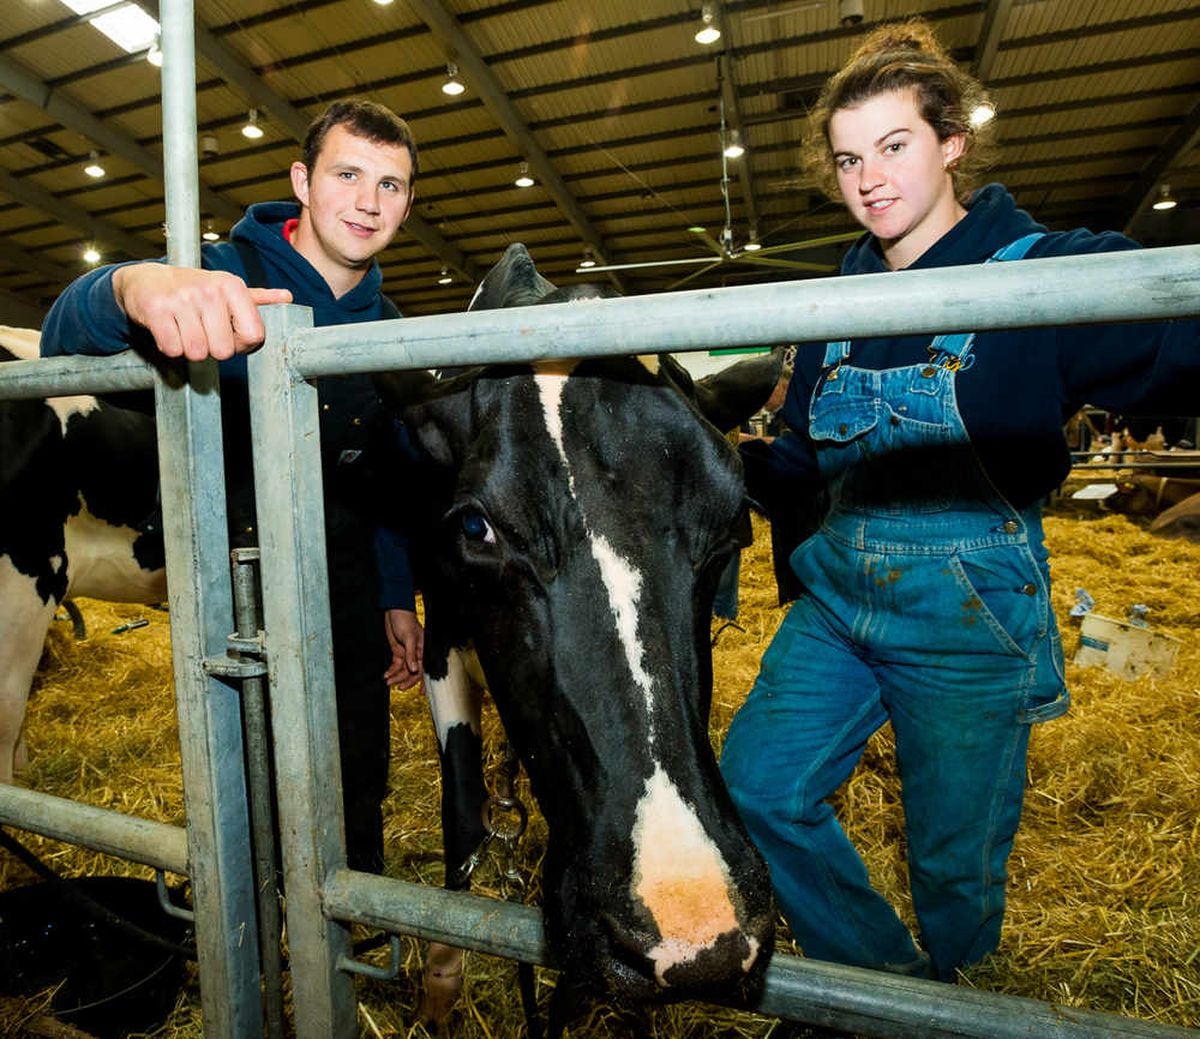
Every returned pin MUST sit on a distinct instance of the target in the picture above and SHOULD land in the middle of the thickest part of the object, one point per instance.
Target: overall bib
(926, 603)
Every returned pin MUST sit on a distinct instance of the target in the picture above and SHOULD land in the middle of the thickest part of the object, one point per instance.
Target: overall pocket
(1004, 592)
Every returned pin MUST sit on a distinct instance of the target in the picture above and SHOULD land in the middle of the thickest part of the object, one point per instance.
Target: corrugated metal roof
(1099, 103)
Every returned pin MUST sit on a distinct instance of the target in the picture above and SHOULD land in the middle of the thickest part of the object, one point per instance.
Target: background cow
(78, 516)
(584, 512)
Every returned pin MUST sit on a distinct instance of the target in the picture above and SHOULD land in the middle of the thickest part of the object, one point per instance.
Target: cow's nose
(726, 961)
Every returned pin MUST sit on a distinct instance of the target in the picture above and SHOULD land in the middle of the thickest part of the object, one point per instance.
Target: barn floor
(1105, 880)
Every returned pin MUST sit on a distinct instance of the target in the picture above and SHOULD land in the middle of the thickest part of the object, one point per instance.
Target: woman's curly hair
(904, 56)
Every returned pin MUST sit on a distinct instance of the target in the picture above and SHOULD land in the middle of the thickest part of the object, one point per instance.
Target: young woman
(926, 591)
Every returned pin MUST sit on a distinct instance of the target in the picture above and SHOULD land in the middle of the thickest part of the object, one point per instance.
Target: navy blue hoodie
(1025, 383)
(358, 443)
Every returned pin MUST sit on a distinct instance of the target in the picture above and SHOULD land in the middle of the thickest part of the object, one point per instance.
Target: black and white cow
(78, 500)
(585, 510)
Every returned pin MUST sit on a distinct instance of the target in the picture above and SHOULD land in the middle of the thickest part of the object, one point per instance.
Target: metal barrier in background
(324, 897)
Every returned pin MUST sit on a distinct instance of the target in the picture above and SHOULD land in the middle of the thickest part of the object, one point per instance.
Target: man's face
(353, 202)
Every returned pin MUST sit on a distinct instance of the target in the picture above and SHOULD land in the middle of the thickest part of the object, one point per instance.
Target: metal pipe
(868, 1002)
(1139, 285)
(60, 376)
(257, 736)
(288, 487)
(196, 538)
(155, 844)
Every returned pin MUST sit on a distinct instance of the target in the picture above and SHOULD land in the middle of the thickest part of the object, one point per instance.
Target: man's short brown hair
(366, 119)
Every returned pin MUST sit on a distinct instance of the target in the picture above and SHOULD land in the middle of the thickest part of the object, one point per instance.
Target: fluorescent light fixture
(445, 277)
(91, 255)
(453, 85)
(128, 26)
(982, 114)
(1164, 200)
(252, 130)
(708, 33)
(93, 168)
(734, 149)
(524, 180)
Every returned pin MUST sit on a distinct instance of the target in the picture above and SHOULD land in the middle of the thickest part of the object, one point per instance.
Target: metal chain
(505, 819)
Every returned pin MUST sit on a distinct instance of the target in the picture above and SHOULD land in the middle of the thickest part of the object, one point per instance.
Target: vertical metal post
(291, 523)
(257, 734)
(191, 471)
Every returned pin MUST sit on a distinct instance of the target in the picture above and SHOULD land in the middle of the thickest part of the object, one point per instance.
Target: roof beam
(70, 115)
(995, 18)
(446, 28)
(1145, 188)
(35, 263)
(64, 212)
(18, 311)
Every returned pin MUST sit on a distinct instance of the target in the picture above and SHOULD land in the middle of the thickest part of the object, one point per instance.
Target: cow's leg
(455, 701)
(24, 619)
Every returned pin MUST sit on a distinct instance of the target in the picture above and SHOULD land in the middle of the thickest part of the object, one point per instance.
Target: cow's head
(586, 522)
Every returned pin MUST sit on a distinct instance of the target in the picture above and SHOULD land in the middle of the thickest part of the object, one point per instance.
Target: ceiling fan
(722, 250)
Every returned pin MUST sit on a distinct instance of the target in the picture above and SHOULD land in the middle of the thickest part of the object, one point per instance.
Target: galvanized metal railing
(324, 896)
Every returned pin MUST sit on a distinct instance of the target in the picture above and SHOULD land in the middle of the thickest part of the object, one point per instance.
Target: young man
(354, 192)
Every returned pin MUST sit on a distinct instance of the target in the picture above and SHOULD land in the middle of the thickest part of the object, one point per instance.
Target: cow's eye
(475, 527)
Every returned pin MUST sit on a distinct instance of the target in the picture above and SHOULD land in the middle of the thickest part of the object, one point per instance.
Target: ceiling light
(127, 25)
(93, 168)
(445, 278)
(383, 3)
(209, 234)
(734, 149)
(1164, 200)
(589, 260)
(155, 55)
(209, 145)
(709, 33)
(752, 243)
(453, 85)
(252, 130)
(524, 180)
(91, 255)
(696, 229)
(982, 114)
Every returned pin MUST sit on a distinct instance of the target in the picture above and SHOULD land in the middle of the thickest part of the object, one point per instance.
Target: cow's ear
(730, 396)
(436, 411)
(441, 426)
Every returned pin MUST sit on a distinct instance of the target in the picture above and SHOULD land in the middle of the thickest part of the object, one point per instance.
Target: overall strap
(959, 343)
(836, 353)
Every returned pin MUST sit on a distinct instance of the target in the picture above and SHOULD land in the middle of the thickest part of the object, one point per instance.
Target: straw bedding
(1105, 874)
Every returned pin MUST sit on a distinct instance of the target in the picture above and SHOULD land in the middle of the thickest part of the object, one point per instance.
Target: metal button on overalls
(1029, 588)
(1011, 526)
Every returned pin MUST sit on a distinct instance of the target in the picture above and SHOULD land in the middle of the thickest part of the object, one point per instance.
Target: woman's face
(894, 174)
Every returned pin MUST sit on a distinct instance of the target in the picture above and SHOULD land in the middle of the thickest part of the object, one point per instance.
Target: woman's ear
(952, 149)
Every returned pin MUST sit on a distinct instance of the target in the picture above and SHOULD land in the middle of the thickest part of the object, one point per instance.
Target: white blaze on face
(681, 878)
(621, 581)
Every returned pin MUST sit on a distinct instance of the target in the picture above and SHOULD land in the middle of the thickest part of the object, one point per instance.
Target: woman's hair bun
(915, 34)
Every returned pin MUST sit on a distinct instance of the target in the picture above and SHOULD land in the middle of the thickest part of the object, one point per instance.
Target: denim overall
(927, 604)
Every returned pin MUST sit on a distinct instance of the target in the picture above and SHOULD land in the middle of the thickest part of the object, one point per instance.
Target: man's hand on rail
(192, 313)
